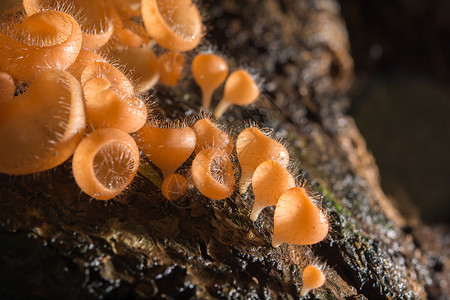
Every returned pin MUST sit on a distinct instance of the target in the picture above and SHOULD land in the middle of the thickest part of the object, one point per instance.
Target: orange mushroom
(7, 89)
(313, 278)
(43, 41)
(174, 24)
(126, 33)
(91, 15)
(298, 220)
(253, 148)
(40, 128)
(209, 136)
(269, 182)
(167, 148)
(174, 186)
(83, 59)
(141, 64)
(105, 162)
(240, 89)
(209, 71)
(170, 67)
(212, 173)
(110, 100)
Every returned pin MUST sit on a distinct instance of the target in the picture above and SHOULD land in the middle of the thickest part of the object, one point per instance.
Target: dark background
(401, 97)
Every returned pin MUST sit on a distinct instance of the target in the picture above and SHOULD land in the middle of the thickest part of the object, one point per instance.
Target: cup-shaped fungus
(312, 278)
(240, 89)
(167, 148)
(110, 100)
(174, 24)
(269, 182)
(209, 136)
(91, 15)
(297, 220)
(40, 128)
(170, 67)
(105, 162)
(253, 148)
(7, 89)
(126, 33)
(43, 41)
(209, 71)
(212, 173)
(142, 65)
(84, 59)
(174, 186)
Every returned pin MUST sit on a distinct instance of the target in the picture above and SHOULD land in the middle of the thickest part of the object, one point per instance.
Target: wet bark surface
(56, 242)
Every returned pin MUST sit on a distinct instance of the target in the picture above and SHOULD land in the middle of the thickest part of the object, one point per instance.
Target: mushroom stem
(221, 109)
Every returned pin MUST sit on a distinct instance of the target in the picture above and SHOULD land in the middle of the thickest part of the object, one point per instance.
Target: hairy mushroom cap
(43, 41)
(269, 182)
(240, 89)
(170, 67)
(41, 128)
(110, 100)
(312, 278)
(209, 71)
(142, 65)
(298, 220)
(174, 24)
(167, 148)
(253, 148)
(212, 173)
(209, 136)
(83, 59)
(91, 15)
(105, 162)
(7, 89)
(174, 186)
(126, 32)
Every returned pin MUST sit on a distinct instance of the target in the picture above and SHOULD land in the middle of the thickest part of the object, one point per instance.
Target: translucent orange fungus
(209, 136)
(7, 89)
(105, 162)
(298, 220)
(167, 148)
(253, 148)
(312, 278)
(91, 15)
(212, 174)
(174, 24)
(142, 65)
(269, 182)
(174, 186)
(83, 59)
(240, 89)
(209, 71)
(43, 41)
(110, 100)
(41, 128)
(170, 68)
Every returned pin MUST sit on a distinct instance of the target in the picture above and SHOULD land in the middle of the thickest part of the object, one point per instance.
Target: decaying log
(57, 243)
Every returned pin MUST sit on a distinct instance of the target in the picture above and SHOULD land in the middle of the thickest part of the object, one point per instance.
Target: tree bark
(58, 243)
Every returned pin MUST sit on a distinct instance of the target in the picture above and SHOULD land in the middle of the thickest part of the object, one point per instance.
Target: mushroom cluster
(77, 103)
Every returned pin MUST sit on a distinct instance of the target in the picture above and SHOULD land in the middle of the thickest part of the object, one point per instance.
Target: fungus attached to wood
(170, 67)
(174, 24)
(313, 278)
(174, 186)
(46, 40)
(167, 148)
(212, 173)
(105, 162)
(297, 220)
(209, 71)
(91, 16)
(240, 89)
(110, 100)
(253, 148)
(40, 128)
(209, 136)
(269, 182)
